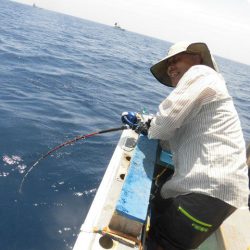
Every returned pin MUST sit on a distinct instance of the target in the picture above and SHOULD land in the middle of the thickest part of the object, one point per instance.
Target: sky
(223, 24)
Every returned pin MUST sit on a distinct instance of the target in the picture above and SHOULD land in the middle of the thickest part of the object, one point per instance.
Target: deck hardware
(106, 241)
(128, 158)
(122, 176)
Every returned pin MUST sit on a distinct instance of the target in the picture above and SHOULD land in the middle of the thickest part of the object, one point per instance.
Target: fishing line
(81, 137)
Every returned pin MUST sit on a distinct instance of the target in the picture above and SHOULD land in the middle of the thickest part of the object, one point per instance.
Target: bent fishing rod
(81, 137)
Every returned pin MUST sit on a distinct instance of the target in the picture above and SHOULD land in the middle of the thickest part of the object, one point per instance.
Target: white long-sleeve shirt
(202, 126)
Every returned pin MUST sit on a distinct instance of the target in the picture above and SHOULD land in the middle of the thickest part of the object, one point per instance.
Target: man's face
(179, 64)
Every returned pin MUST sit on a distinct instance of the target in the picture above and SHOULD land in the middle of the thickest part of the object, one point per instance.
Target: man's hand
(142, 127)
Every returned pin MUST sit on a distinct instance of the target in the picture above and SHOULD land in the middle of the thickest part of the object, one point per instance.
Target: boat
(117, 26)
(119, 215)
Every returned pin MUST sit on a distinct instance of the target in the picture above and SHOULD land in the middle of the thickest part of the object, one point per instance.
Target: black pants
(185, 221)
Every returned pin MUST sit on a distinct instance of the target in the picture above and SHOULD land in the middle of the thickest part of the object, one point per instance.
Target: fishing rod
(81, 137)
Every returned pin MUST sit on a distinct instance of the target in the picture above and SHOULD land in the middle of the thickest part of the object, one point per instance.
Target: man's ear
(197, 59)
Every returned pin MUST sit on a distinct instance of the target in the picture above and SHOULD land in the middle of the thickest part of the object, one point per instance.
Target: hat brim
(159, 70)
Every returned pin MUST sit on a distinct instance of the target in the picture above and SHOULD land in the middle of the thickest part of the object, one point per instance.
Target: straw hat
(159, 70)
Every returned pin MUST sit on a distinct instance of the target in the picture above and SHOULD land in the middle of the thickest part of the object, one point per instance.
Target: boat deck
(95, 233)
(103, 206)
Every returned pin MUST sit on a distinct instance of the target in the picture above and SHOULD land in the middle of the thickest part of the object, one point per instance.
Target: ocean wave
(15, 162)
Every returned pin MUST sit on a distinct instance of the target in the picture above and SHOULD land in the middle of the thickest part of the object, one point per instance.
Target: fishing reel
(135, 121)
(131, 118)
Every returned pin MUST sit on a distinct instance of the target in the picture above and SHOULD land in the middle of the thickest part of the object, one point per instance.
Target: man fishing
(201, 124)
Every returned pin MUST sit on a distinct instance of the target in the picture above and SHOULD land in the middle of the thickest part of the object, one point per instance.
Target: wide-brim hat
(159, 70)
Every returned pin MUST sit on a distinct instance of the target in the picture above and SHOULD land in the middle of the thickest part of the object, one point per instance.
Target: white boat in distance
(118, 217)
(116, 26)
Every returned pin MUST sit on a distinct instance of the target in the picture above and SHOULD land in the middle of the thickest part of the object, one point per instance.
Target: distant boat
(35, 6)
(116, 26)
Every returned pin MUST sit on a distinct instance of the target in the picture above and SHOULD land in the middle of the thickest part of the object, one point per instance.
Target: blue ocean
(61, 77)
